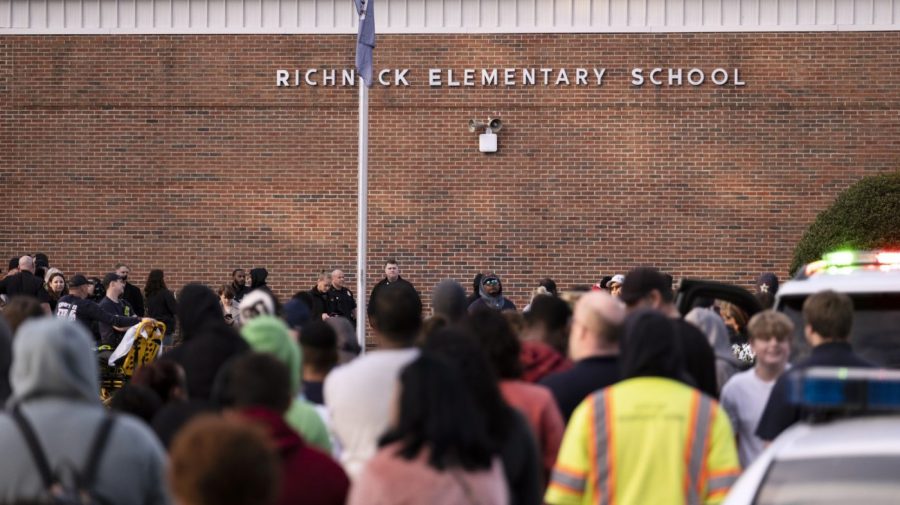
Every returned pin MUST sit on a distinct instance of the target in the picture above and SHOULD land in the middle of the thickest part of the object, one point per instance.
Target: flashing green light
(840, 258)
(842, 374)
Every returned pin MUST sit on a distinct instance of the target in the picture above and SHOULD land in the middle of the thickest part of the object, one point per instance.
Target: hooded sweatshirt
(712, 325)
(208, 341)
(267, 334)
(54, 382)
(494, 302)
(309, 476)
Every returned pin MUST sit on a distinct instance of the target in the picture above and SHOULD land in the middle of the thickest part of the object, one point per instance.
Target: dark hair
(766, 299)
(397, 314)
(254, 380)
(65, 290)
(163, 377)
(461, 349)
(830, 314)
(155, 283)
(553, 314)
(236, 270)
(550, 285)
(496, 338)
(137, 400)
(433, 324)
(319, 342)
(216, 461)
(21, 308)
(13, 263)
(391, 261)
(650, 347)
(437, 413)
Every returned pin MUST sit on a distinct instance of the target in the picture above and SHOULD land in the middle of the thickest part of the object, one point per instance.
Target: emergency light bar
(838, 260)
(847, 389)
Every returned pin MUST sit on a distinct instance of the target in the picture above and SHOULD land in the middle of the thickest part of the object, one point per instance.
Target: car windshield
(871, 480)
(876, 327)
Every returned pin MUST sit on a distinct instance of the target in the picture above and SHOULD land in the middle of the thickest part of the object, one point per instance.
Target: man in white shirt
(359, 395)
(745, 395)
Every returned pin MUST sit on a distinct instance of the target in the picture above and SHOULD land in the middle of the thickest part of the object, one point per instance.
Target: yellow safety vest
(647, 440)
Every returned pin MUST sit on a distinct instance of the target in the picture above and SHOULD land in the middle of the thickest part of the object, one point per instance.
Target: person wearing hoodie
(268, 334)
(258, 278)
(55, 388)
(714, 328)
(490, 296)
(257, 388)
(207, 343)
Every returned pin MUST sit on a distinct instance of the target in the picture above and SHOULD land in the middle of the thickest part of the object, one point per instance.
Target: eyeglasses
(492, 282)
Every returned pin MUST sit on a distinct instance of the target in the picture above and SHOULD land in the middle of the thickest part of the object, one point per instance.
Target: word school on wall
(469, 77)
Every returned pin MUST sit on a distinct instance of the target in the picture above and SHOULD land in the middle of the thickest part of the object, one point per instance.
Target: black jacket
(319, 303)
(341, 303)
(163, 307)
(24, 283)
(780, 412)
(135, 298)
(378, 287)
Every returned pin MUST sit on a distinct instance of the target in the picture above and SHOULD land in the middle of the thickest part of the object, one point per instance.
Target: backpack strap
(89, 473)
(34, 446)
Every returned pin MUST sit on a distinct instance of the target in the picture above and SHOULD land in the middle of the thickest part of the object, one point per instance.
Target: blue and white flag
(365, 40)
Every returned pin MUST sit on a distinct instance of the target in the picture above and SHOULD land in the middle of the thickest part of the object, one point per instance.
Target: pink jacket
(391, 479)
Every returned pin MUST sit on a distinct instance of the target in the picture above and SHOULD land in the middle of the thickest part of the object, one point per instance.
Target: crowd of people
(602, 395)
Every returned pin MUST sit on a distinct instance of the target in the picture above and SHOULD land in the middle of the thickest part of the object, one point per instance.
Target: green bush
(865, 216)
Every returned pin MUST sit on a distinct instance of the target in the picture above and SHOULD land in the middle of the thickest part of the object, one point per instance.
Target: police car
(848, 453)
(872, 280)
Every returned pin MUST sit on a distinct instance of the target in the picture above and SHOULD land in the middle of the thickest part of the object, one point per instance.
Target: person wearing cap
(614, 285)
(490, 296)
(647, 287)
(114, 304)
(767, 282)
(76, 306)
(26, 283)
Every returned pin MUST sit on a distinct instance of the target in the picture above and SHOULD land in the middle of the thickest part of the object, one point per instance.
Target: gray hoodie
(54, 382)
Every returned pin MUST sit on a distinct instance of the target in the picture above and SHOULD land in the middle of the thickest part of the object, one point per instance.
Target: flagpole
(363, 213)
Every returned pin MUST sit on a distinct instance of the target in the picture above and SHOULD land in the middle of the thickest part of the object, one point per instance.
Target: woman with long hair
(437, 450)
(57, 288)
(161, 304)
(513, 439)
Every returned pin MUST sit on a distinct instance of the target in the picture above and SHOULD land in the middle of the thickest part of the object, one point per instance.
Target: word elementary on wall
(511, 77)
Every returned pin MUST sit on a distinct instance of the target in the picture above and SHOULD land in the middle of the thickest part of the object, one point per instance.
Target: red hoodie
(540, 360)
(309, 476)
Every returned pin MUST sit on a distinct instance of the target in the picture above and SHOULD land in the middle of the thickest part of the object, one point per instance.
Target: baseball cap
(616, 279)
(111, 277)
(78, 280)
(639, 282)
(767, 282)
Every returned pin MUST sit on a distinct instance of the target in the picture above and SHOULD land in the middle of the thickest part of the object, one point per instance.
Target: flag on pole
(365, 40)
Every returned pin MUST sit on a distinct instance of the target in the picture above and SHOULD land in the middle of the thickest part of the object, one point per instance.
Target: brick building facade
(180, 152)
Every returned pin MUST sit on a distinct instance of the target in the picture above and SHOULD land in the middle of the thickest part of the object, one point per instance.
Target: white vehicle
(872, 280)
(850, 457)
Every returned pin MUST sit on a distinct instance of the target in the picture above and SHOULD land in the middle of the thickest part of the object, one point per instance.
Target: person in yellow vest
(649, 438)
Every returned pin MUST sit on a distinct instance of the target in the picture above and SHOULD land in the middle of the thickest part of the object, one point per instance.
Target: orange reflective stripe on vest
(697, 447)
(603, 448)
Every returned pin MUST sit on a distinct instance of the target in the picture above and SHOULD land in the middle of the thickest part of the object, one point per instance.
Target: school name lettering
(486, 77)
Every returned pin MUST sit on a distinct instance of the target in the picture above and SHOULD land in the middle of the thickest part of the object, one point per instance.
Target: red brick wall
(178, 152)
